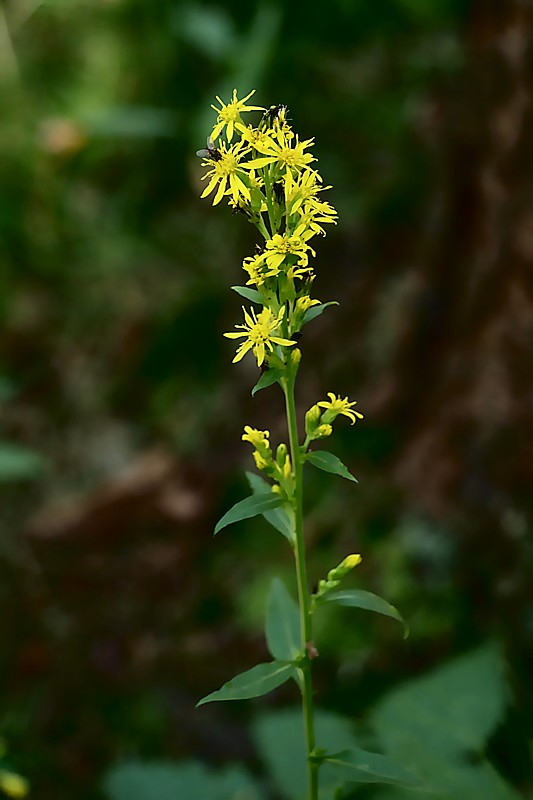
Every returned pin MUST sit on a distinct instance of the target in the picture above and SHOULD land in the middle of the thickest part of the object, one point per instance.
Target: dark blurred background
(122, 414)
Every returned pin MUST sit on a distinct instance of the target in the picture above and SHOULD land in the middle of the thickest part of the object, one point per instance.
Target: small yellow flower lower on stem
(259, 332)
(335, 406)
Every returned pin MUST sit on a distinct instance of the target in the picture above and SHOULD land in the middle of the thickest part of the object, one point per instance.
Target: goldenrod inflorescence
(266, 172)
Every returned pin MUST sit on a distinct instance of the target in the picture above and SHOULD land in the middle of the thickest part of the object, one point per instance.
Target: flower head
(282, 149)
(229, 114)
(259, 439)
(280, 246)
(335, 406)
(227, 171)
(259, 333)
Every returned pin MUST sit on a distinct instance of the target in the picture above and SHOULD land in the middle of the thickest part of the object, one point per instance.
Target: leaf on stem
(359, 766)
(359, 598)
(267, 379)
(329, 463)
(258, 680)
(249, 507)
(282, 623)
(316, 311)
(278, 517)
(249, 294)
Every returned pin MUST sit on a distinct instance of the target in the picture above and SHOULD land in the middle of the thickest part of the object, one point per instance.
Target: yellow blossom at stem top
(335, 406)
(259, 332)
(278, 149)
(230, 113)
(226, 170)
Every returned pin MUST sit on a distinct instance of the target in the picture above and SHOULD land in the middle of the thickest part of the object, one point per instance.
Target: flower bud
(260, 462)
(281, 454)
(323, 431)
(295, 357)
(312, 420)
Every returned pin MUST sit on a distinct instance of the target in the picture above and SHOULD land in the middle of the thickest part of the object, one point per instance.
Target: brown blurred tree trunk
(464, 373)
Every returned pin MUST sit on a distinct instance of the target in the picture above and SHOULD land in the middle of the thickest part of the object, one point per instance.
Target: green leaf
(267, 379)
(329, 463)
(171, 780)
(255, 682)
(359, 598)
(278, 518)
(249, 507)
(451, 711)
(436, 724)
(18, 463)
(280, 740)
(282, 623)
(360, 766)
(316, 311)
(250, 294)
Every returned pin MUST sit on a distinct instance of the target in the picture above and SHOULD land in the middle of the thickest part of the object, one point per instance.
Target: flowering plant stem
(306, 617)
(267, 176)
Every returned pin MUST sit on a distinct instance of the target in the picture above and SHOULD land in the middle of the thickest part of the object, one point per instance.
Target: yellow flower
(258, 270)
(279, 150)
(259, 439)
(283, 245)
(259, 332)
(13, 785)
(226, 170)
(304, 303)
(230, 114)
(301, 188)
(311, 213)
(335, 406)
(253, 136)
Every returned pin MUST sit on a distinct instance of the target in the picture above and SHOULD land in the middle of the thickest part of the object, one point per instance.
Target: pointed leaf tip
(249, 507)
(329, 463)
(258, 680)
(368, 601)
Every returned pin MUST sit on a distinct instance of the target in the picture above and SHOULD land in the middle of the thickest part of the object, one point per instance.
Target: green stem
(306, 620)
(268, 199)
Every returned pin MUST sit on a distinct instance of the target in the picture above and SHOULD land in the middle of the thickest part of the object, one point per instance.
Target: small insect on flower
(210, 151)
(274, 113)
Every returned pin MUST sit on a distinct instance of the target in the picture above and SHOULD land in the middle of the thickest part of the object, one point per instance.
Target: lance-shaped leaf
(267, 379)
(249, 507)
(360, 766)
(329, 463)
(255, 682)
(282, 623)
(278, 518)
(359, 598)
(250, 294)
(316, 311)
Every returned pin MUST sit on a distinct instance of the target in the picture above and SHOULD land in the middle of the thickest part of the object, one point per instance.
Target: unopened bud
(312, 420)
(260, 462)
(323, 431)
(281, 454)
(295, 357)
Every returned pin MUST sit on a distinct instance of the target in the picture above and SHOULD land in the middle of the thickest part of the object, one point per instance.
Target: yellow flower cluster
(278, 468)
(266, 172)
